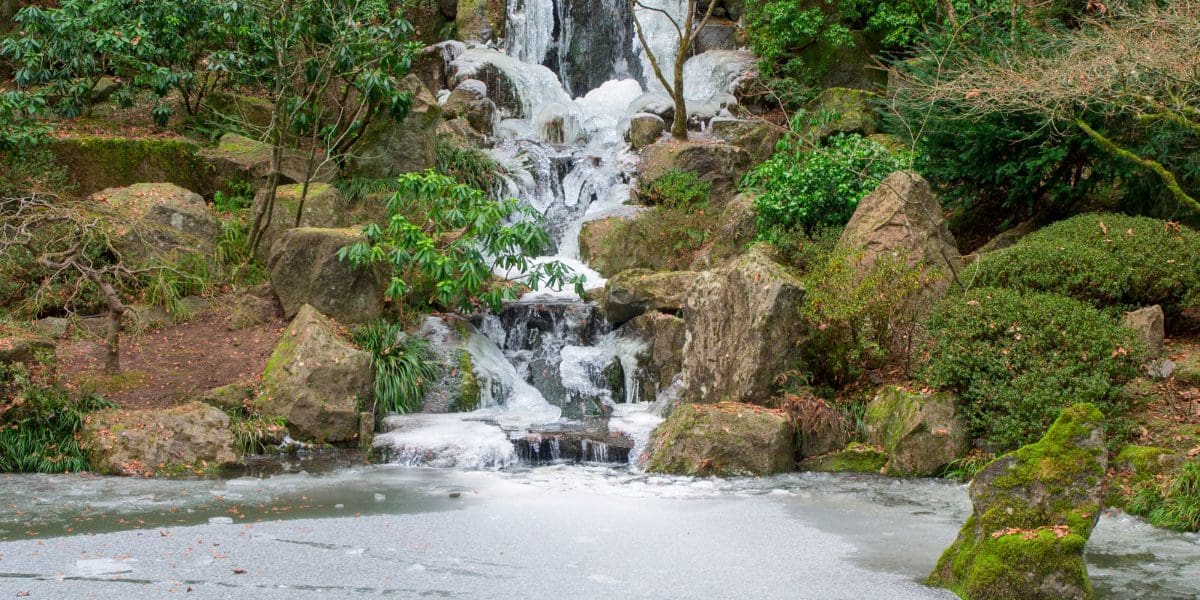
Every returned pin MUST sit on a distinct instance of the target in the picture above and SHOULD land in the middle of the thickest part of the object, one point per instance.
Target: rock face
(315, 379)
(180, 440)
(239, 158)
(1033, 511)
(726, 439)
(662, 361)
(324, 206)
(756, 137)
(848, 111)
(1149, 323)
(645, 129)
(95, 162)
(24, 350)
(744, 329)
(920, 432)
(305, 269)
(457, 389)
(903, 219)
(389, 148)
(631, 293)
(159, 221)
(719, 164)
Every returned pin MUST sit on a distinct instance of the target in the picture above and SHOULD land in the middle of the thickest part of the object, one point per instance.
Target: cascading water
(555, 380)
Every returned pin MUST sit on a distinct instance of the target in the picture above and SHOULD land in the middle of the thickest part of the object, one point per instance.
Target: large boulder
(724, 440)
(480, 21)
(239, 158)
(390, 148)
(744, 329)
(305, 269)
(757, 137)
(1149, 324)
(719, 164)
(324, 206)
(315, 380)
(1033, 511)
(835, 64)
(843, 110)
(157, 223)
(901, 219)
(920, 432)
(432, 63)
(177, 441)
(661, 361)
(631, 293)
(644, 129)
(97, 162)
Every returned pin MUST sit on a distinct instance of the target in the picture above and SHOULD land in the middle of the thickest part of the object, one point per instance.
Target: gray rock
(53, 327)
(645, 129)
(157, 223)
(324, 206)
(1148, 323)
(25, 350)
(900, 219)
(717, 35)
(239, 158)
(725, 440)
(631, 293)
(719, 164)
(228, 398)
(194, 437)
(470, 101)
(757, 137)
(661, 362)
(305, 269)
(844, 110)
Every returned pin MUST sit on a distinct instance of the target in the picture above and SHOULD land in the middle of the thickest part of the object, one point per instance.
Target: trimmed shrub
(1105, 259)
(1017, 358)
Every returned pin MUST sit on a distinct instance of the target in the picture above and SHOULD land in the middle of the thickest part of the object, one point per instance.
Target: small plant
(237, 196)
(189, 277)
(468, 165)
(1174, 502)
(964, 469)
(39, 421)
(677, 189)
(252, 433)
(404, 366)
(1016, 359)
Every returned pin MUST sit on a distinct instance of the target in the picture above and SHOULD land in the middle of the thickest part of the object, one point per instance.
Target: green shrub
(804, 188)
(237, 196)
(1016, 359)
(1107, 260)
(676, 189)
(38, 424)
(1172, 504)
(404, 365)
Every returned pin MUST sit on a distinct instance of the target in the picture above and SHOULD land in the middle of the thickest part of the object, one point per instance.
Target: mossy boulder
(854, 458)
(663, 337)
(228, 398)
(1033, 511)
(1147, 461)
(636, 291)
(305, 269)
(389, 148)
(480, 21)
(324, 206)
(155, 224)
(838, 65)
(316, 380)
(754, 136)
(239, 158)
(188, 439)
(97, 162)
(719, 164)
(744, 329)
(253, 111)
(843, 110)
(456, 389)
(619, 243)
(25, 350)
(724, 440)
(644, 129)
(920, 432)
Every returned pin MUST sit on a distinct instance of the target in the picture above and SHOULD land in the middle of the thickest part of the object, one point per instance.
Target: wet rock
(755, 137)
(324, 206)
(239, 158)
(1148, 323)
(726, 439)
(176, 441)
(1033, 511)
(900, 219)
(315, 380)
(390, 148)
(457, 388)
(744, 329)
(717, 163)
(157, 223)
(631, 293)
(470, 101)
(25, 350)
(734, 232)
(920, 432)
(305, 269)
(654, 103)
(844, 110)
(573, 443)
(854, 458)
(645, 129)
(661, 362)
(432, 63)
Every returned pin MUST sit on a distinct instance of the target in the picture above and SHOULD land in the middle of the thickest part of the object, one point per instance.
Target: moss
(855, 458)
(469, 393)
(100, 162)
(1142, 460)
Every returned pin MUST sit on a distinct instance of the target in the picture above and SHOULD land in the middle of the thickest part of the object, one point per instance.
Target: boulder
(644, 129)
(432, 63)
(1147, 461)
(390, 148)
(53, 327)
(25, 350)
(460, 133)
(324, 206)
(252, 111)
(228, 398)
(756, 137)
(718, 34)
(622, 242)
(744, 329)
(843, 110)
(1148, 323)
(97, 162)
(631, 293)
(901, 219)
(854, 458)
(183, 440)
(834, 64)
(734, 232)
(239, 158)
(470, 101)
(1033, 511)
(717, 163)
(305, 269)
(158, 222)
(315, 380)
(480, 21)
(661, 361)
(250, 309)
(921, 433)
(820, 428)
(725, 440)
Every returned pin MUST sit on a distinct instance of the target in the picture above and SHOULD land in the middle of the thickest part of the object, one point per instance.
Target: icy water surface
(353, 530)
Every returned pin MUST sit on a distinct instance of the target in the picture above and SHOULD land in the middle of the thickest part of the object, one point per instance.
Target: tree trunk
(112, 337)
(679, 123)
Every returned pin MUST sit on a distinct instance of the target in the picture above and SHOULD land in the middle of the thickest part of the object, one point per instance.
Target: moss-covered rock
(1143, 461)
(919, 432)
(305, 269)
(97, 162)
(620, 243)
(457, 388)
(718, 164)
(315, 380)
(1034, 510)
(644, 129)
(636, 291)
(184, 440)
(854, 458)
(26, 350)
(833, 64)
(754, 136)
(229, 398)
(726, 439)
(239, 158)
(843, 110)
(324, 206)
(155, 224)
(480, 21)
(389, 148)
(732, 235)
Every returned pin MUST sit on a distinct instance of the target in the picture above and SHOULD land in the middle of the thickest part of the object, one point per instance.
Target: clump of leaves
(39, 420)
(404, 365)
(1174, 502)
